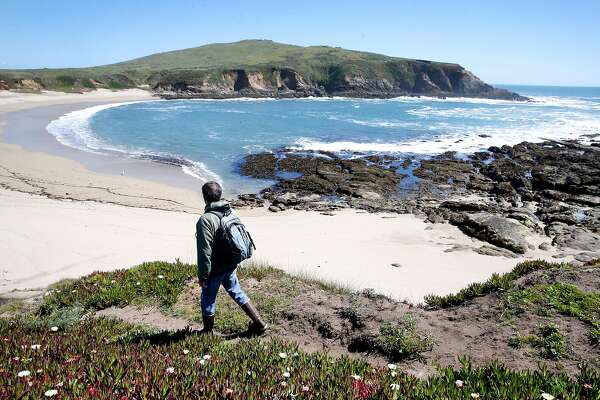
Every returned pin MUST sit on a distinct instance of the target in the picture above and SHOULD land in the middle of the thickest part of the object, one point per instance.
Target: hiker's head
(211, 191)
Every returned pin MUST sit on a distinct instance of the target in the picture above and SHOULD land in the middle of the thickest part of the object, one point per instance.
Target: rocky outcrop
(28, 84)
(277, 82)
(327, 176)
(407, 78)
(495, 229)
(501, 196)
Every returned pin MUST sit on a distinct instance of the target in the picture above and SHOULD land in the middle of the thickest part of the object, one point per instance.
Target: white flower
(393, 373)
(35, 346)
(73, 291)
(23, 374)
(392, 366)
(474, 395)
(286, 374)
(356, 377)
(113, 281)
(284, 383)
(459, 383)
(138, 283)
(547, 396)
(305, 388)
(54, 329)
(39, 371)
(186, 351)
(394, 386)
(206, 357)
(170, 370)
(283, 355)
(58, 291)
(161, 277)
(51, 392)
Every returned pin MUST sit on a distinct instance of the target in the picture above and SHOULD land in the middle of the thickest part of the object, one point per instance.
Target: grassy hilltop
(265, 68)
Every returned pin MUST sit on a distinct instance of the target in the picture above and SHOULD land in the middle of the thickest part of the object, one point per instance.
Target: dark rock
(248, 200)
(573, 237)
(494, 229)
(545, 246)
(261, 166)
(495, 251)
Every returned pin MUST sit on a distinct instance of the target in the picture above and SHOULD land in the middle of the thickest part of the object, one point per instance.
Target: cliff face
(420, 78)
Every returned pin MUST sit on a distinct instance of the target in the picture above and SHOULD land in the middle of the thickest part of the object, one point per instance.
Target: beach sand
(64, 217)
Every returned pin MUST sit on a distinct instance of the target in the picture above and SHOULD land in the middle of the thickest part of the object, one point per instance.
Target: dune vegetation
(58, 346)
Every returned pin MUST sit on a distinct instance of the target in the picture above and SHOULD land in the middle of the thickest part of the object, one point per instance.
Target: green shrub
(155, 282)
(402, 340)
(594, 334)
(65, 80)
(498, 282)
(550, 341)
(87, 83)
(564, 298)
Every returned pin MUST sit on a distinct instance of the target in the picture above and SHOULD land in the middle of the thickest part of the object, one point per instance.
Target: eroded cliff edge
(407, 78)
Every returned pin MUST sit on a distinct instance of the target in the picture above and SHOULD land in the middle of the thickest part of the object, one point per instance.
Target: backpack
(234, 242)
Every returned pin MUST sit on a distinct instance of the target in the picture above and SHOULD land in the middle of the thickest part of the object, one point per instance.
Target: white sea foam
(462, 138)
(73, 130)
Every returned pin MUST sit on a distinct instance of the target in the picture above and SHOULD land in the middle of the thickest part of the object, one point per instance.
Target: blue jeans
(230, 282)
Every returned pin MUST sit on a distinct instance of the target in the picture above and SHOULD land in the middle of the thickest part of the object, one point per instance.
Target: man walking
(216, 266)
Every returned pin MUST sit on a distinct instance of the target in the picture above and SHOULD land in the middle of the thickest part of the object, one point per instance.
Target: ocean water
(209, 138)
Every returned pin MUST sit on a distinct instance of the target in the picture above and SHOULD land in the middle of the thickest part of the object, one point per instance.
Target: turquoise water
(208, 138)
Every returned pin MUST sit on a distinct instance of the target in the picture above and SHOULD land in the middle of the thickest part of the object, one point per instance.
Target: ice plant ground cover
(58, 348)
(106, 359)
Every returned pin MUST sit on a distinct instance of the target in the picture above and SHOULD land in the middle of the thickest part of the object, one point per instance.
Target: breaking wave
(73, 130)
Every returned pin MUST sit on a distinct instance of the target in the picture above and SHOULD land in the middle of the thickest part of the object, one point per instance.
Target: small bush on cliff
(498, 282)
(550, 341)
(403, 340)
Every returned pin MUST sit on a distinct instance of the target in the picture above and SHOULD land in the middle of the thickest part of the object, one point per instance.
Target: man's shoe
(208, 322)
(257, 326)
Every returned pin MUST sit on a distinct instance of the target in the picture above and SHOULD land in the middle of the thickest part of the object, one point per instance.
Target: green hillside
(226, 69)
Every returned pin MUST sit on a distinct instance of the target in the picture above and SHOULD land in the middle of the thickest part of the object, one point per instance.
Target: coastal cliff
(413, 78)
(262, 68)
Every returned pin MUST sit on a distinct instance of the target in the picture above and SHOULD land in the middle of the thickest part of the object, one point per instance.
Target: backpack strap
(217, 213)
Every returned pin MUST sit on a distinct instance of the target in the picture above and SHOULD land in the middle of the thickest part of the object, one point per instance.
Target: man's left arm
(205, 233)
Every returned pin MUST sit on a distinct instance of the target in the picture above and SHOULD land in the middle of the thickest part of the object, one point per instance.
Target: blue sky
(510, 42)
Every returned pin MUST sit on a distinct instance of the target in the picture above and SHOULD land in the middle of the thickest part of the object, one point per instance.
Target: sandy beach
(66, 213)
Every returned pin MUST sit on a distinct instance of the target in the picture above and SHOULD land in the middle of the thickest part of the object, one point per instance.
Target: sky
(503, 42)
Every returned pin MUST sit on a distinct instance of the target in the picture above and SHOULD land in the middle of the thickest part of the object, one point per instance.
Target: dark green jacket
(206, 229)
